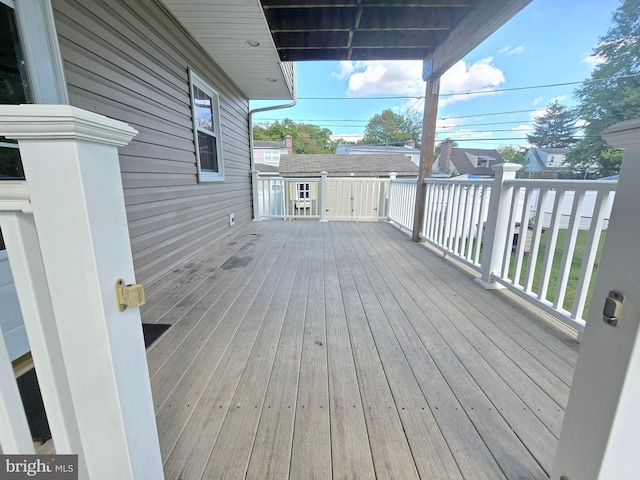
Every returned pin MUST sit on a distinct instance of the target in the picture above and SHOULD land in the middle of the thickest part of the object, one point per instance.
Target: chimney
(288, 142)
(410, 143)
(444, 163)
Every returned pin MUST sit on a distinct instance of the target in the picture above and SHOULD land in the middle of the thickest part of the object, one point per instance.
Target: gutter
(266, 109)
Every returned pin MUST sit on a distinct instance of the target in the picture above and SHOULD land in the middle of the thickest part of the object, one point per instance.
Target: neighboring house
(304, 191)
(465, 162)
(268, 153)
(547, 160)
(409, 150)
(372, 165)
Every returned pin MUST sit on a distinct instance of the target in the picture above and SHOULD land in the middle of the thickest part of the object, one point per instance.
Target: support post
(495, 235)
(427, 147)
(71, 164)
(386, 199)
(256, 195)
(323, 196)
(599, 436)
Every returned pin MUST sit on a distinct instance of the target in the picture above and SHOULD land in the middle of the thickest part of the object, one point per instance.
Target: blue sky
(548, 42)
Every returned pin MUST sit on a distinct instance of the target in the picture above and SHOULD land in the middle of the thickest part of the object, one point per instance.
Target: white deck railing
(325, 198)
(540, 239)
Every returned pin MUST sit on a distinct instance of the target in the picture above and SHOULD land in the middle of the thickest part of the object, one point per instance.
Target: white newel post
(599, 436)
(495, 236)
(255, 193)
(386, 199)
(71, 163)
(323, 196)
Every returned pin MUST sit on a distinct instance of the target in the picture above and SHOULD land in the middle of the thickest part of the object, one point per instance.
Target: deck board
(344, 350)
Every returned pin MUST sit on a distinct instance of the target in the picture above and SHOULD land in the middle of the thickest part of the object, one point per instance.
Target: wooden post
(71, 164)
(599, 436)
(426, 150)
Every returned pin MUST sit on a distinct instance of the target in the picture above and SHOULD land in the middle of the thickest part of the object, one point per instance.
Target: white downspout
(266, 109)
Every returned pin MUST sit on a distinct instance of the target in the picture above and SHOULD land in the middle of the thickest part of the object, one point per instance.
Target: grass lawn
(574, 273)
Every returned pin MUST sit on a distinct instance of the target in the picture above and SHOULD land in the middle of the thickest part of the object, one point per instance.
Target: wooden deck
(304, 350)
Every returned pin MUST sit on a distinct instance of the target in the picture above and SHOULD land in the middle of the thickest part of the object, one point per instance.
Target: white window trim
(271, 157)
(205, 175)
(39, 42)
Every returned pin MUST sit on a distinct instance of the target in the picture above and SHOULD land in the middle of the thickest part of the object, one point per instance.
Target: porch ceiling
(299, 30)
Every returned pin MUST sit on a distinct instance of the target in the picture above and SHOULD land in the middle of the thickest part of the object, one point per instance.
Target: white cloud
(536, 101)
(382, 77)
(348, 137)
(345, 69)
(507, 50)
(523, 128)
(480, 76)
(405, 78)
(559, 99)
(593, 60)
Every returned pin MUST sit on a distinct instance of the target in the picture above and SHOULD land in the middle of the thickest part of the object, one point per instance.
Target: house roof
(541, 166)
(381, 148)
(254, 41)
(461, 159)
(374, 165)
(265, 168)
(267, 144)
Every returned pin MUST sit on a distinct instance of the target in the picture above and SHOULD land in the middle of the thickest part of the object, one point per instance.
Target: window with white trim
(205, 104)
(272, 157)
(304, 191)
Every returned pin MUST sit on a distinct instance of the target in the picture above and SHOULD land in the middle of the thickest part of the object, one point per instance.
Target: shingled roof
(373, 165)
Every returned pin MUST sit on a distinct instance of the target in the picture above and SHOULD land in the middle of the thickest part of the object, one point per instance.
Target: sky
(549, 42)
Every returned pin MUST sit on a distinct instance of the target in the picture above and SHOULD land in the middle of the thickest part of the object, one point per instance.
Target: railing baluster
(506, 260)
(522, 238)
(568, 250)
(550, 250)
(589, 257)
(535, 239)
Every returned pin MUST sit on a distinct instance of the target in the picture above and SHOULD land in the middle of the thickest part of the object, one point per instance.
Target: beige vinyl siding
(129, 60)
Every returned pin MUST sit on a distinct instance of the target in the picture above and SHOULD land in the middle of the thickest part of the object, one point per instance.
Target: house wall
(129, 60)
(258, 154)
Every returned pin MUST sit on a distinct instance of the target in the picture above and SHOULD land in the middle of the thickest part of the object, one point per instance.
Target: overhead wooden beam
(426, 150)
(485, 18)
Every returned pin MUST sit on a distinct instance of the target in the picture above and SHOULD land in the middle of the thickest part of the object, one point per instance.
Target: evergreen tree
(613, 92)
(555, 129)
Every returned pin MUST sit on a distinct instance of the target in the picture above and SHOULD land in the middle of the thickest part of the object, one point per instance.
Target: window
(205, 105)
(304, 191)
(272, 157)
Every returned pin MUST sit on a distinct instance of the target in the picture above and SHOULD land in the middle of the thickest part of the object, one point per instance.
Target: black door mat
(33, 406)
(153, 331)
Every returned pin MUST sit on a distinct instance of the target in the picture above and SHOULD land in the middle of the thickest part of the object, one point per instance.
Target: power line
(473, 92)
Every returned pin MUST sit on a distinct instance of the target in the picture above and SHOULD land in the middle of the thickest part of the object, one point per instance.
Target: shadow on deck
(344, 350)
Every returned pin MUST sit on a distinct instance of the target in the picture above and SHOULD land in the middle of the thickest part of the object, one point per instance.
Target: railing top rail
(14, 196)
(461, 181)
(404, 180)
(582, 185)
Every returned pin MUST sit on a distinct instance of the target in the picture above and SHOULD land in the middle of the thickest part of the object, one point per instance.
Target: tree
(389, 128)
(555, 129)
(511, 154)
(307, 138)
(613, 92)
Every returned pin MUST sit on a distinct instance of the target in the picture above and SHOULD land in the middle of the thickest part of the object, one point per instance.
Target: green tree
(307, 138)
(511, 154)
(389, 128)
(555, 129)
(613, 92)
